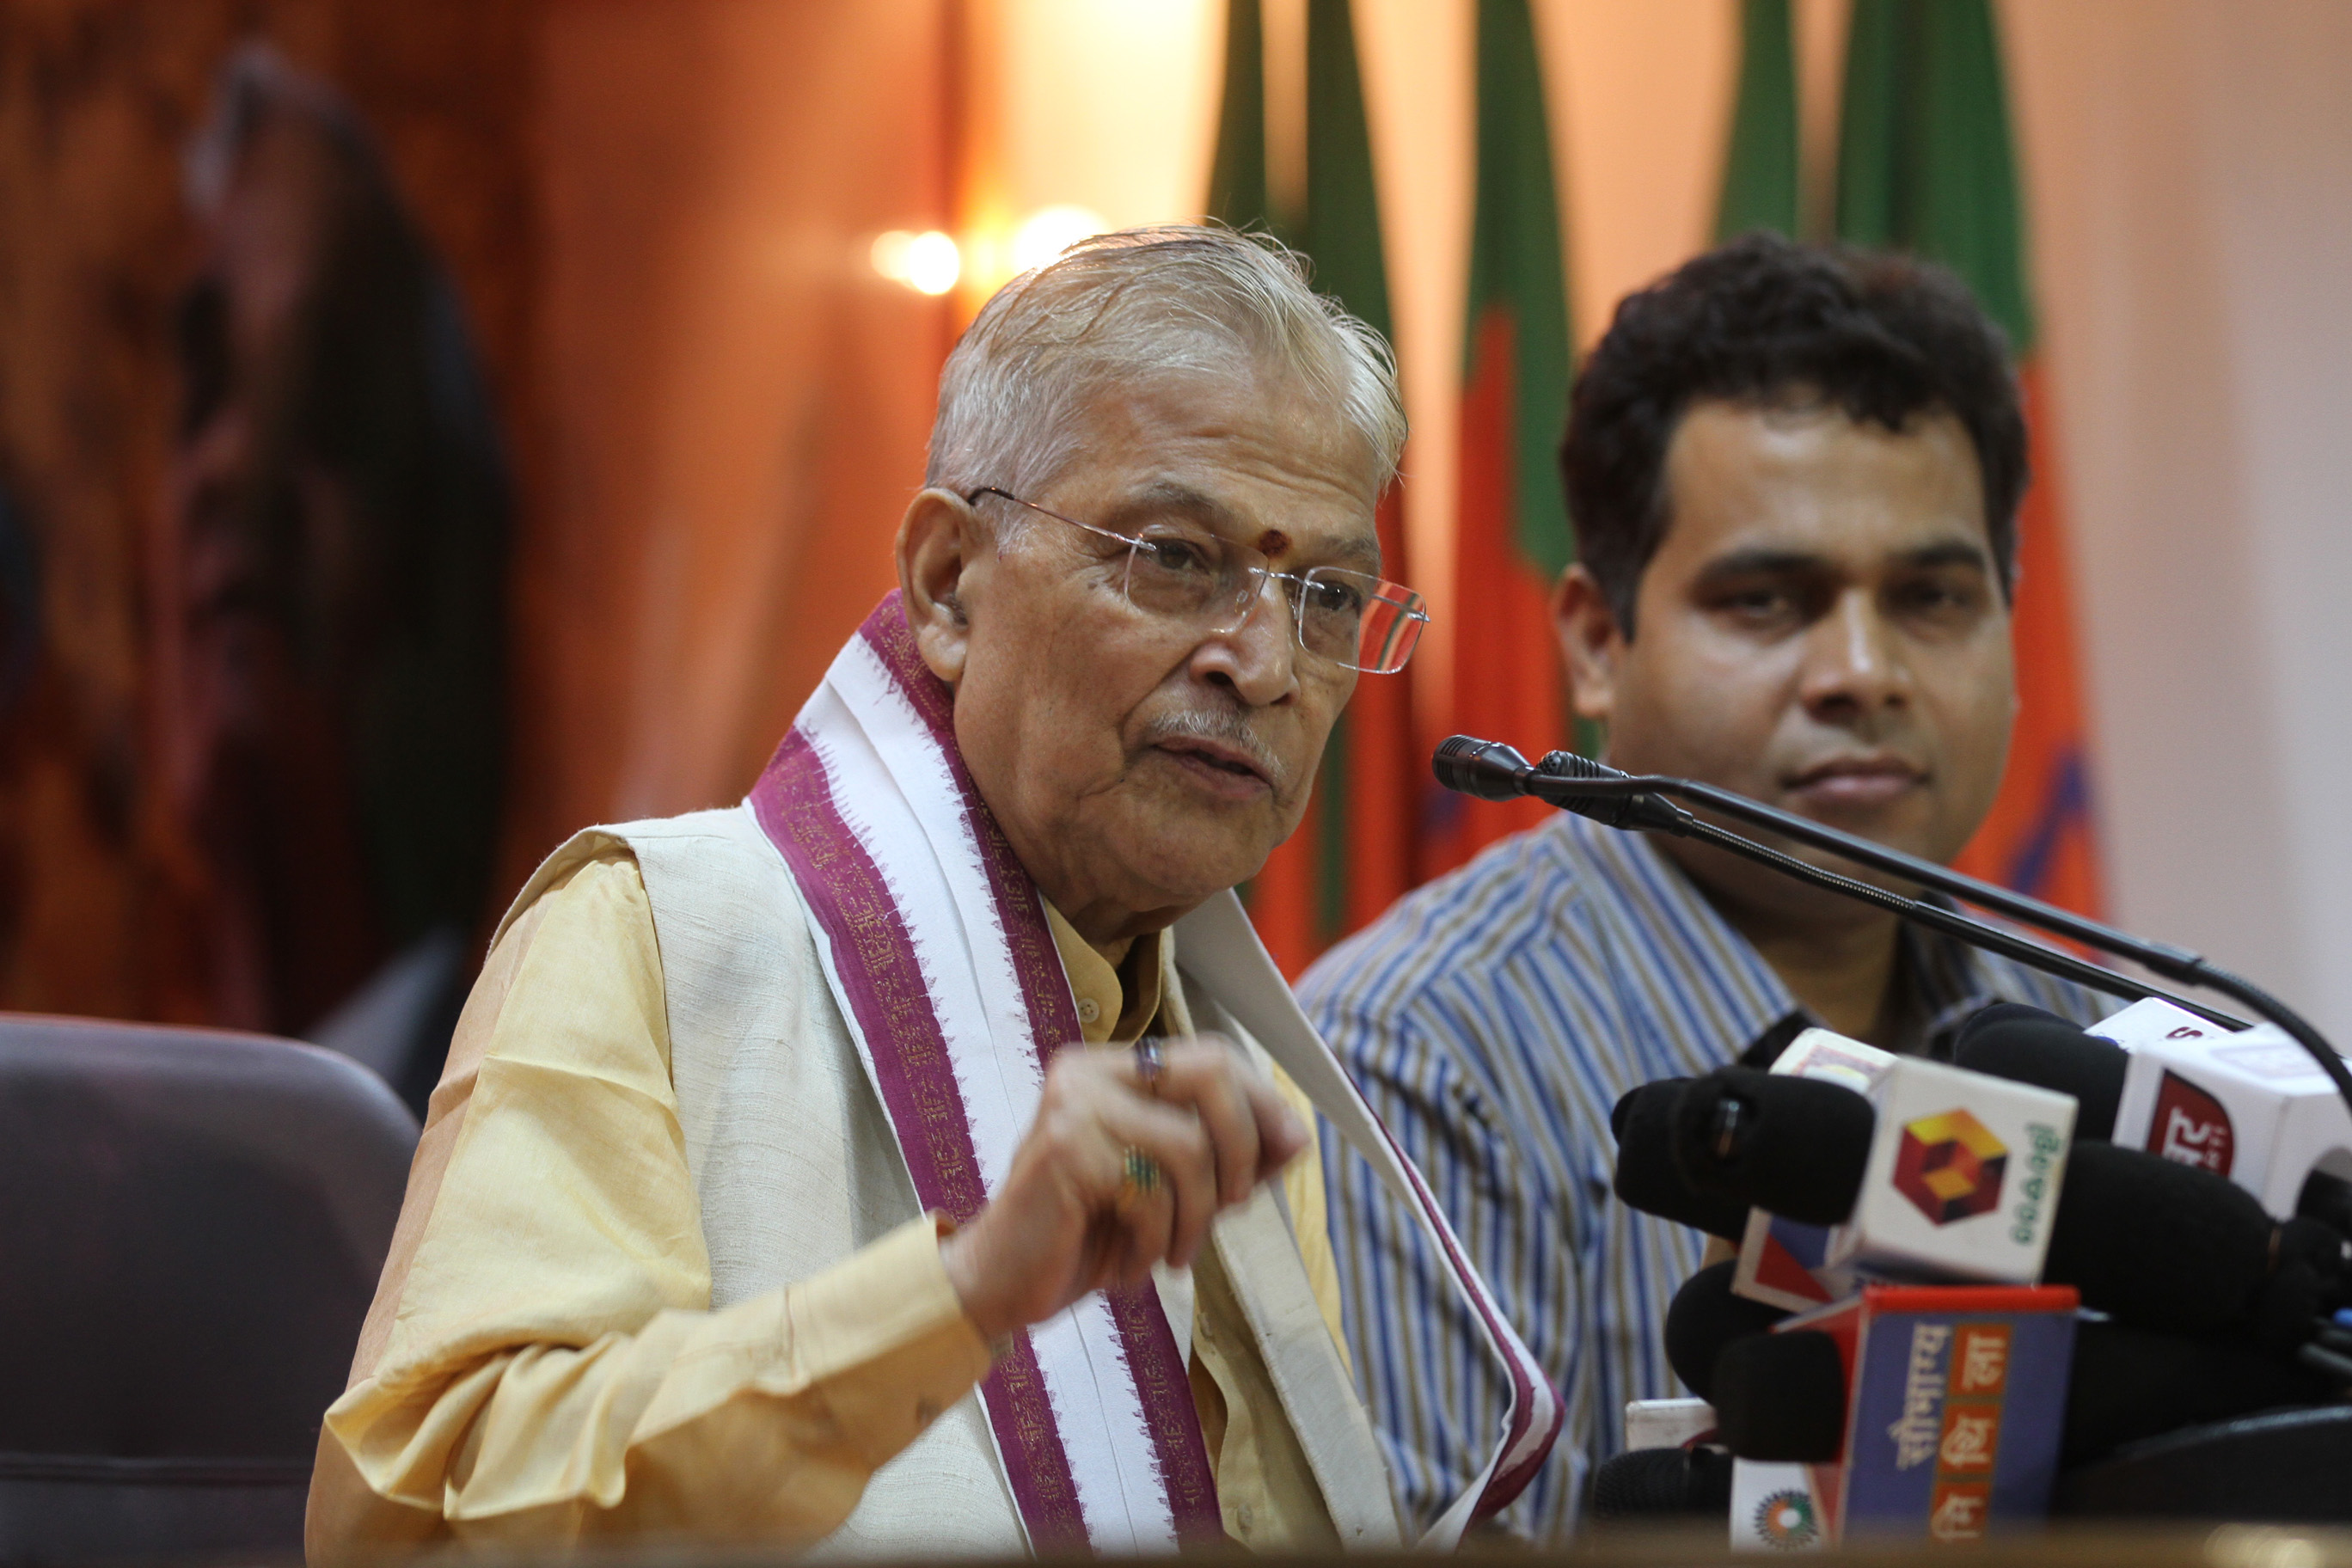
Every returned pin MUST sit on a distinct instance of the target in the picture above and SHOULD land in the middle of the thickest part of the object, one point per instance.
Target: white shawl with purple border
(935, 946)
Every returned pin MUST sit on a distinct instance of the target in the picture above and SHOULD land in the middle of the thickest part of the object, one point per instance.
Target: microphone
(2026, 1045)
(1661, 1483)
(1913, 1178)
(1796, 1147)
(2170, 1246)
(2243, 1105)
(1783, 1397)
(1704, 1317)
(2151, 1241)
(1648, 1177)
(1489, 770)
(1704, 1151)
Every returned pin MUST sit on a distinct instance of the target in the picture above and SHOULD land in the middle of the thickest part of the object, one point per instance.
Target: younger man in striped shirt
(1795, 475)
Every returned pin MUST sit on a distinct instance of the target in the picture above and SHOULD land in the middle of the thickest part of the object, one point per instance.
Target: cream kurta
(562, 1346)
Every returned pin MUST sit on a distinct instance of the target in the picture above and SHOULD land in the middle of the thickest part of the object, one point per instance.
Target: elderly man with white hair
(915, 1158)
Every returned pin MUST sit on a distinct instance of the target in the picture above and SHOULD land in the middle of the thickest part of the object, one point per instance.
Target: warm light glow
(1051, 231)
(928, 263)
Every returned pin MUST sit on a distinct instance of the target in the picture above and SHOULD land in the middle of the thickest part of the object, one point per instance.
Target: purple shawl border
(1505, 1486)
(1155, 1362)
(875, 959)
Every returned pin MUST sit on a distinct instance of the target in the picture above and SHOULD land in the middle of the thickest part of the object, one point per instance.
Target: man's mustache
(1220, 726)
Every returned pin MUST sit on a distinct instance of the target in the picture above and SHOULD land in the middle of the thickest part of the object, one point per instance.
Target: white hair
(1110, 310)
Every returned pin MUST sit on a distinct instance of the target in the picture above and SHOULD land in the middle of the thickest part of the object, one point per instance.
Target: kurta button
(1241, 1517)
(1088, 1010)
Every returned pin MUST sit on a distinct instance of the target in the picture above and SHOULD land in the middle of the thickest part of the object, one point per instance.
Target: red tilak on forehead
(1272, 541)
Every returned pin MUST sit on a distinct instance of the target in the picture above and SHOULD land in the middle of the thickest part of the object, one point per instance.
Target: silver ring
(1148, 1064)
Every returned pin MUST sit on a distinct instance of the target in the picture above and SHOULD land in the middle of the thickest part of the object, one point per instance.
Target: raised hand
(1071, 1218)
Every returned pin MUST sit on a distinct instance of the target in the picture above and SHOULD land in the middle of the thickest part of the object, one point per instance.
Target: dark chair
(190, 1227)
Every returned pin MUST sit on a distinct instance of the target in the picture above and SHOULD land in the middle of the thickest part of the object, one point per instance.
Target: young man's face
(1821, 629)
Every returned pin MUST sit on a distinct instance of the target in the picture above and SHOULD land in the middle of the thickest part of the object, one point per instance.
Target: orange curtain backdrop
(735, 407)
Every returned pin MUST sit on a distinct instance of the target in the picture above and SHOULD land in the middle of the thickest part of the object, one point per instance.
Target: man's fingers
(1282, 1136)
(1175, 1142)
(1143, 1208)
(1208, 1078)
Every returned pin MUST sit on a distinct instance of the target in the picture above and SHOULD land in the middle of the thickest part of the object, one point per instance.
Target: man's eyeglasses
(1187, 573)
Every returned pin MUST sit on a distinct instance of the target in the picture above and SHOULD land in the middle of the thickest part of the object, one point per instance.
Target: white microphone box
(2248, 1104)
(1961, 1184)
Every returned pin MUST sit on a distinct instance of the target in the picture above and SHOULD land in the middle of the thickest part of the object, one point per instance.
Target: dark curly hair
(1761, 321)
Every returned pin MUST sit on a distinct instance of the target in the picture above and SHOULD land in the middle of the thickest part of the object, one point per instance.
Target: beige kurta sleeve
(541, 1362)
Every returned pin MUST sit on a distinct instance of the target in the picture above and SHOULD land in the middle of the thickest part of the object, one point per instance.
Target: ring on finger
(1148, 1064)
(1138, 1178)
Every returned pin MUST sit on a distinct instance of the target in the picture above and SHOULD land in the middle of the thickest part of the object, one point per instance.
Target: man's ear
(1590, 644)
(940, 541)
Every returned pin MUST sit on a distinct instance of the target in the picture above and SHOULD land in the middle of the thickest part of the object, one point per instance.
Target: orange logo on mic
(1950, 1166)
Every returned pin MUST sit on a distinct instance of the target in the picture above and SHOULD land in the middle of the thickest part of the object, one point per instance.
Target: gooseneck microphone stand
(1492, 771)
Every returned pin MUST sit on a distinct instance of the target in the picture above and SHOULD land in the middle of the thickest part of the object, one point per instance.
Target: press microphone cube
(1955, 1402)
(1960, 1184)
(2248, 1104)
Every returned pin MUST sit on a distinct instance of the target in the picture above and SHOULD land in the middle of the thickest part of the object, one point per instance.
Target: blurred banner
(1354, 854)
(1512, 538)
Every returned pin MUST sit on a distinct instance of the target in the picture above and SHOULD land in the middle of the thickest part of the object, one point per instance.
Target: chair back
(192, 1223)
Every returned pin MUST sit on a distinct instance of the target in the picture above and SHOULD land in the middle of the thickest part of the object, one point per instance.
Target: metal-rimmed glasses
(1186, 573)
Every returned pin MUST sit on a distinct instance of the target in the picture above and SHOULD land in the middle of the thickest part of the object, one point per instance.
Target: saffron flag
(1354, 854)
(1512, 538)
(1926, 164)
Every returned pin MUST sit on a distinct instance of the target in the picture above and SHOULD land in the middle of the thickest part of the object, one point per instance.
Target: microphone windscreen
(1647, 1176)
(1663, 1483)
(1793, 1146)
(1781, 1397)
(2156, 1243)
(1485, 769)
(2130, 1383)
(1703, 1318)
(2026, 1045)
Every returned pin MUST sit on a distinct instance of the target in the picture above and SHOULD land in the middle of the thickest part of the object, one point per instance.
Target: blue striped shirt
(1493, 1018)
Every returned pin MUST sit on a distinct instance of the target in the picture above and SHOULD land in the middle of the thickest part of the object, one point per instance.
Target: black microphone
(2175, 1247)
(1486, 770)
(1704, 1317)
(1663, 1483)
(2026, 1045)
(1783, 1397)
(1490, 770)
(1648, 1177)
(2149, 1240)
(1704, 1151)
(1796, 1147)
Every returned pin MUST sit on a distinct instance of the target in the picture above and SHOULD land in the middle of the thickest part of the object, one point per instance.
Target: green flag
(1760, 180)
(1237, 193)
(1924, 162)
